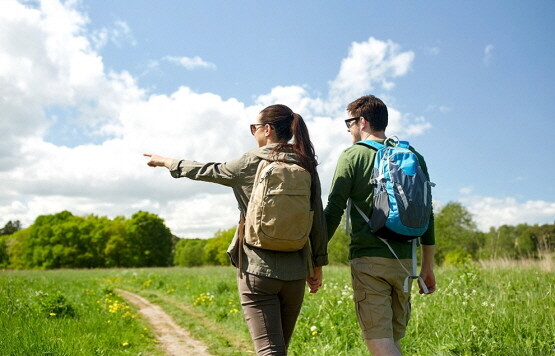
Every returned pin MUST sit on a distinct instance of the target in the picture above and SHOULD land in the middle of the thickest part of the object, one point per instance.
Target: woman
(270, 283)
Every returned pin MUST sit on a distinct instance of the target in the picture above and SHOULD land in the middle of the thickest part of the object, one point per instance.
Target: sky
(87, 87)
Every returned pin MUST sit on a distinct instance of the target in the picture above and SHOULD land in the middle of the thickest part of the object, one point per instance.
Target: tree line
(458, 240)
(64, 240)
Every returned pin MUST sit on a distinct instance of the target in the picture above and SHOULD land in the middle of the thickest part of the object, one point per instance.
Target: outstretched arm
(158, 161)
(227, 173)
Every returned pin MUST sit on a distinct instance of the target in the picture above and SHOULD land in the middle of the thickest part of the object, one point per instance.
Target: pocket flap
(360, 295)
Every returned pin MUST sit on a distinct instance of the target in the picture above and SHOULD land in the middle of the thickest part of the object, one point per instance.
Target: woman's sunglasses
(253, 127)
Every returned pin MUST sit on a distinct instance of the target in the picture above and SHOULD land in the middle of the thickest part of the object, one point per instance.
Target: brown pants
(382, 307)
(270, 307)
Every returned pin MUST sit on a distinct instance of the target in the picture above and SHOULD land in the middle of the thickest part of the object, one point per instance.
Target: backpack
(402, 203)
(279, 215)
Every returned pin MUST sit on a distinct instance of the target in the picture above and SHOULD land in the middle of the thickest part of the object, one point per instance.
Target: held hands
(314, 283)
(158, 161)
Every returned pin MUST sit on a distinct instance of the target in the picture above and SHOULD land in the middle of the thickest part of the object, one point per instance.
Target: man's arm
(427, 269)
(339, 194)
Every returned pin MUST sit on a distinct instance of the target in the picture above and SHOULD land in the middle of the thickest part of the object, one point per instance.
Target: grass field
(507, 310)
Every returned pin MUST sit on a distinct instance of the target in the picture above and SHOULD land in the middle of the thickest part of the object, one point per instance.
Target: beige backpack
(279, 217)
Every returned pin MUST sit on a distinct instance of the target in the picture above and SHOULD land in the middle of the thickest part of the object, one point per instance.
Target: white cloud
(493, 212)
(369, 64)
(439, 108)
(48, 61)
(488, 54)
(404, 125)
(200, 218)
(466, 190)
(118, 34)
(190, 63)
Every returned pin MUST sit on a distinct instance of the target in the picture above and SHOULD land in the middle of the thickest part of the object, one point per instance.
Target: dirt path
(175, 340)
(233, 337)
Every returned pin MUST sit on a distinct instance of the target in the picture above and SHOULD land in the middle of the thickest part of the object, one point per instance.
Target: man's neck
(380, 135)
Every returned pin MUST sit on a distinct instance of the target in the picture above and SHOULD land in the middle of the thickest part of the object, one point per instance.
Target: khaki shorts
(382, 308)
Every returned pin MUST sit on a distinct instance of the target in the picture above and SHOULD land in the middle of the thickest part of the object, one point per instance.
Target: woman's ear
(267, 130)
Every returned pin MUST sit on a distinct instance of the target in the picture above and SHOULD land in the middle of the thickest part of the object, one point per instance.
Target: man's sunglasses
(348, 121)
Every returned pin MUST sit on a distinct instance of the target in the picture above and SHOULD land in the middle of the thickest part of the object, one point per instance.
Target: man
(382, 307)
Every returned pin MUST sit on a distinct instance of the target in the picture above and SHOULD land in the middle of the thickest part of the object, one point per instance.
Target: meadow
(477, 310)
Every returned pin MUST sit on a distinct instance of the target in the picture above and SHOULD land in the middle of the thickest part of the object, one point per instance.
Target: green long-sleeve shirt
(351, 180)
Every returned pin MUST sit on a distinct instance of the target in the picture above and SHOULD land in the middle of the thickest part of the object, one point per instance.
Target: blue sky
(88, 86)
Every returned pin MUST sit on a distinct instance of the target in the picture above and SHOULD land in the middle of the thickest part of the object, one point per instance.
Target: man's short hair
(371, 109)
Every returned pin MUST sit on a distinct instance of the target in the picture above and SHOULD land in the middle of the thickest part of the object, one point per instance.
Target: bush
(457, 258)
(338, 247)
(55, 305)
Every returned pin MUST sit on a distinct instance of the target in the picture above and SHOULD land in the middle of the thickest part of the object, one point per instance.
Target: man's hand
(427, 269)
(429, 280)
(158, 161)
(314, 283)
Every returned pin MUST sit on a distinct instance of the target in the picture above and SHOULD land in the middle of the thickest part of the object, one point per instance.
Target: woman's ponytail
(302, 145)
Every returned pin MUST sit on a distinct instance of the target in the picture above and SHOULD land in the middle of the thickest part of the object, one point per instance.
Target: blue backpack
(402, 196)
(402, 203)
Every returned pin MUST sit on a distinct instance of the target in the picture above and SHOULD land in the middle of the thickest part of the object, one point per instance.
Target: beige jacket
(239, 175)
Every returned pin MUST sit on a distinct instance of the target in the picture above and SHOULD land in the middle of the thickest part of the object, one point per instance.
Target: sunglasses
(349, 122)
(253, 127)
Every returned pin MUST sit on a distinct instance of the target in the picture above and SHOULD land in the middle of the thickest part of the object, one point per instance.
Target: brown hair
(288, 125)
(371, 109)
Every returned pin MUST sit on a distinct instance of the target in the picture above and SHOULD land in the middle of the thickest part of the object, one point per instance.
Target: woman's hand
(158, 161)
(314, 283)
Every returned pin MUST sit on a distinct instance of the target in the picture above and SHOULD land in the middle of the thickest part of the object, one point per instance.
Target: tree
(545, 237)
(63, 240)
(4, 256)
(189, 252)
(150, 239)
(15, 248)
(456, 231)
(46, 242)
(338, 246)
(501, 243)
(10, 227)
(117, 251)
(525, 244)
(216, 247)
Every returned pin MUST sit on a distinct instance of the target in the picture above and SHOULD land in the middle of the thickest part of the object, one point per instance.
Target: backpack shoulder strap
(403, 144)
(261, 165)
(241, 235)
(369, 143)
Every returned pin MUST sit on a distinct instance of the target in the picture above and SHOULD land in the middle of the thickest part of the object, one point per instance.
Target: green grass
(67, 313)
(475, 311)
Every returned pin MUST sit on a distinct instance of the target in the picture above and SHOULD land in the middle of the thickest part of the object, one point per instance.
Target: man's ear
(364, 122)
